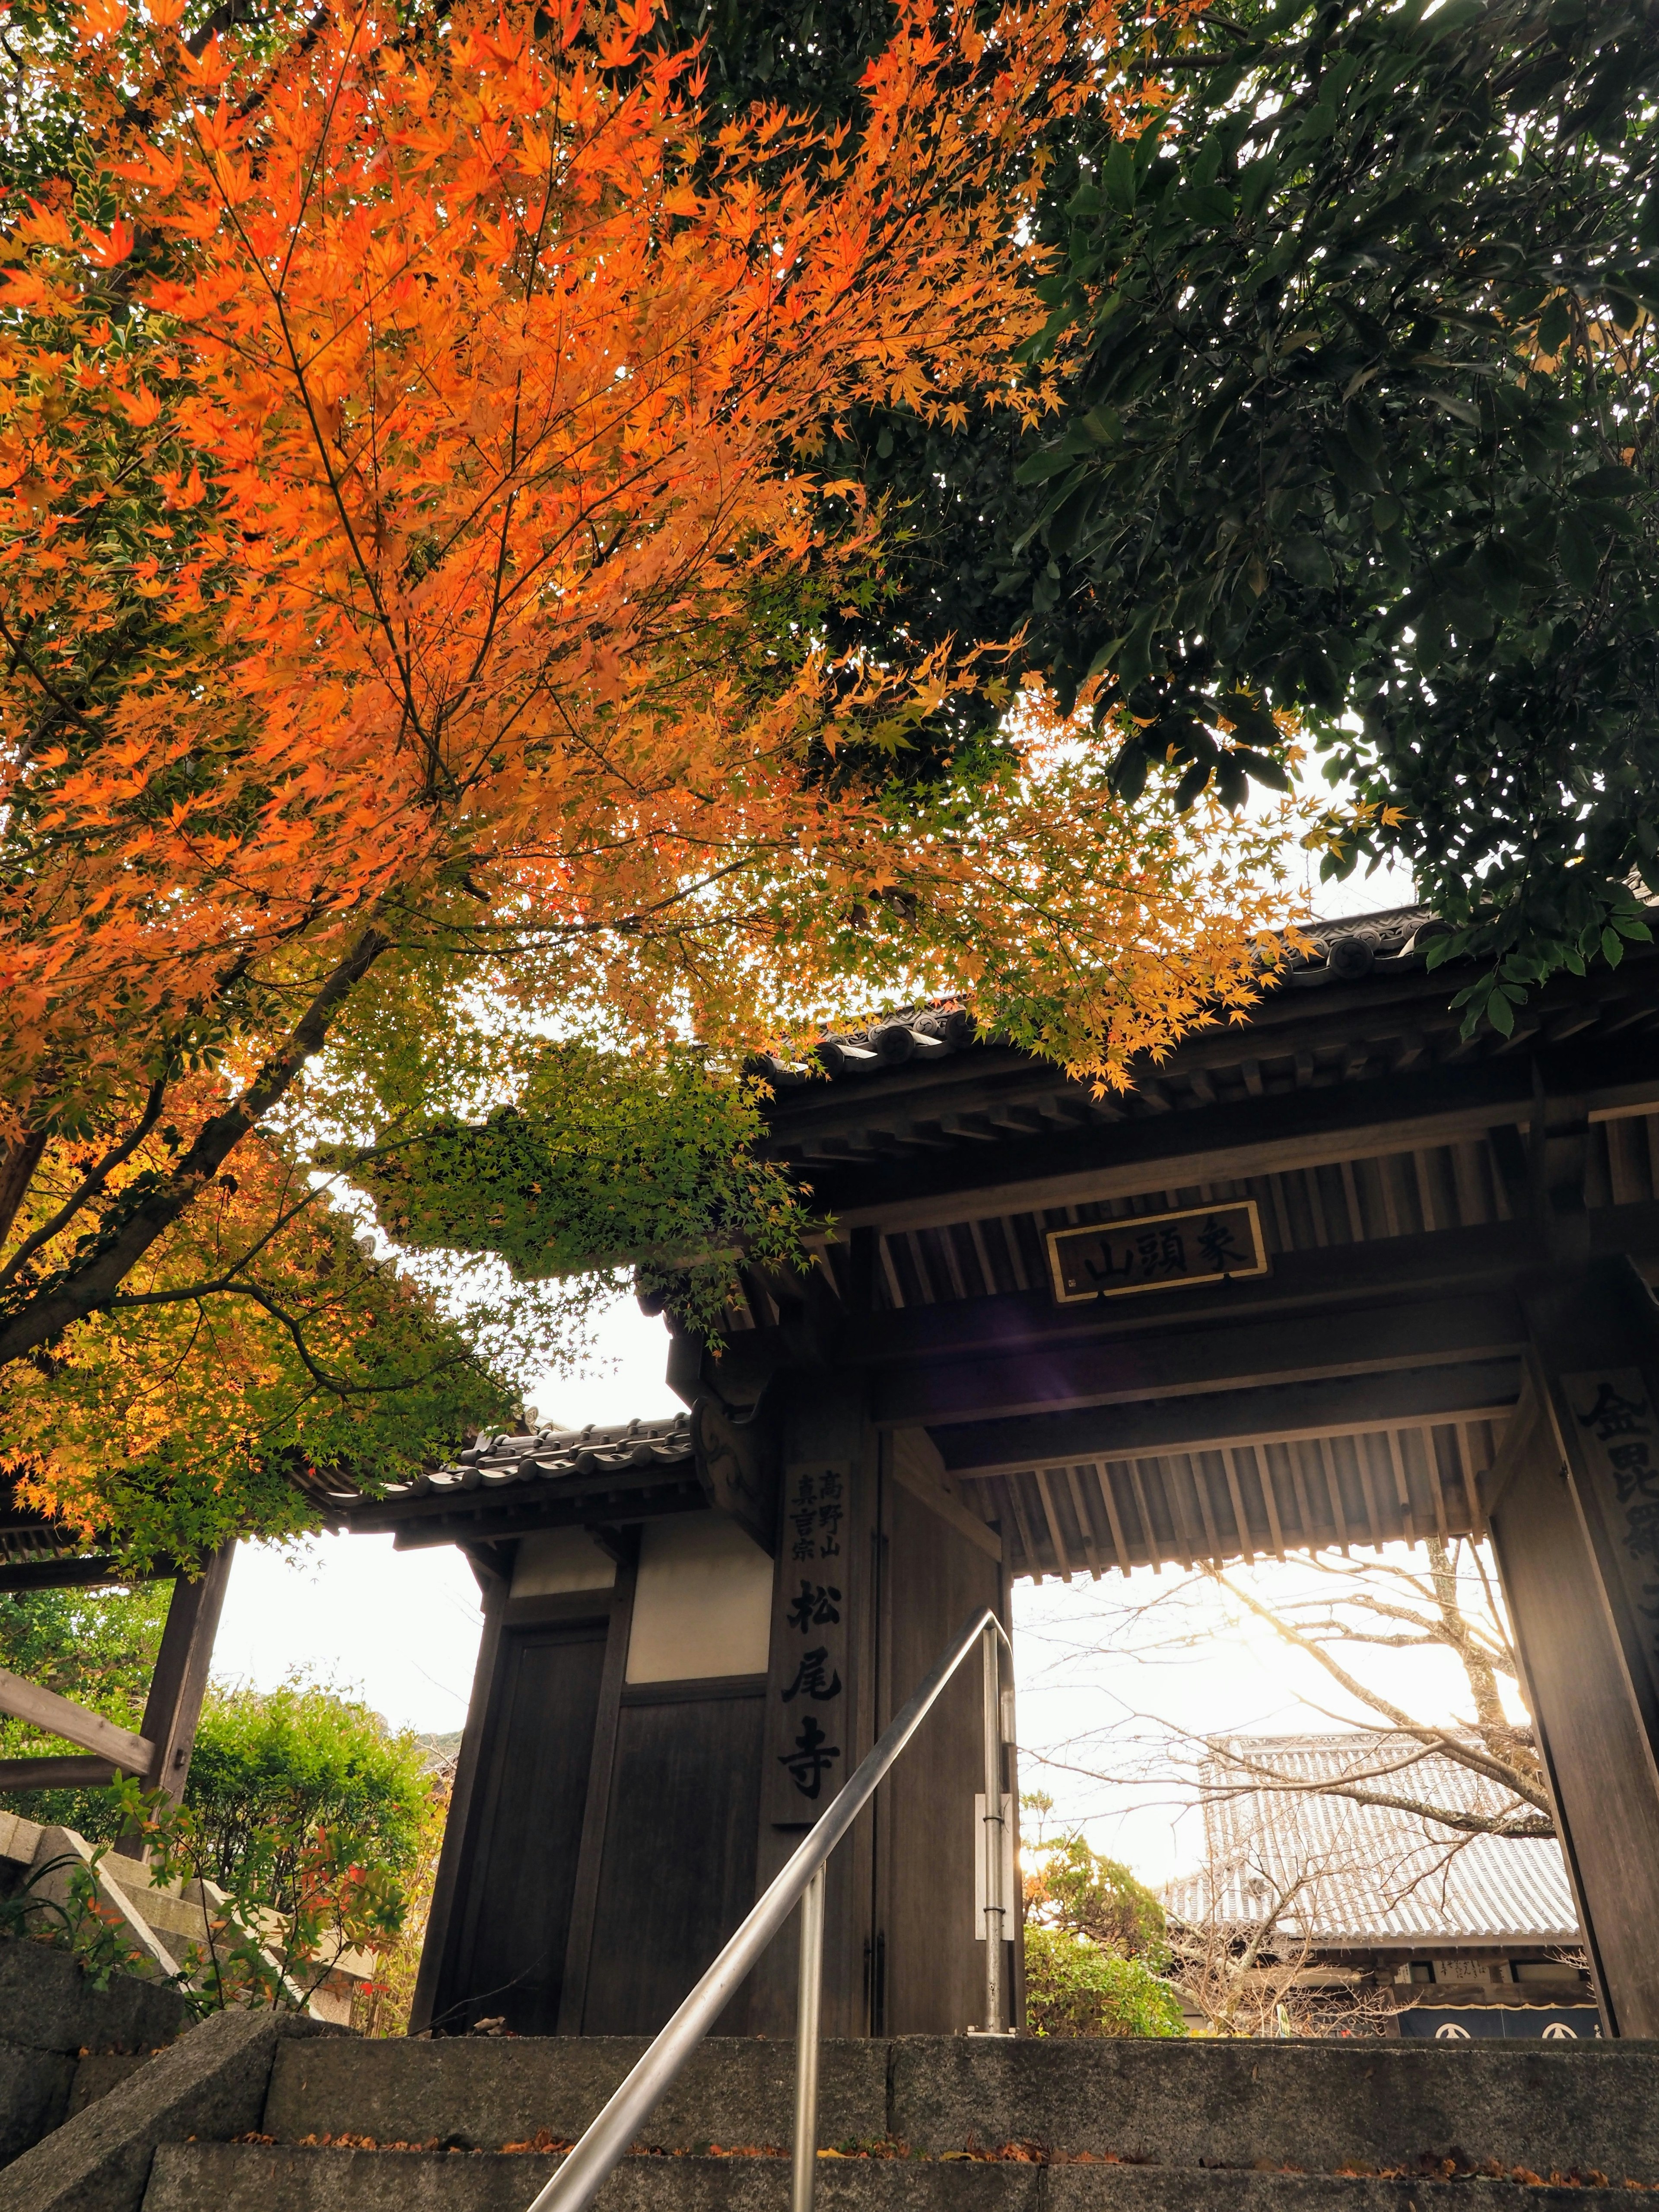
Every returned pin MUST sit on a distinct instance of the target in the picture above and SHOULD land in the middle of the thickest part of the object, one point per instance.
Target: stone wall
(55, 2025)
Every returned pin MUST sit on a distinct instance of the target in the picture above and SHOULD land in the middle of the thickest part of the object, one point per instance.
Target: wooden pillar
(173, 1710)
(820, 1686)
(1575, 1515)
(879, 1564)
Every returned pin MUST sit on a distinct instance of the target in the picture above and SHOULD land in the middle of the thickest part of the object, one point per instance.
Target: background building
(1336, 1915)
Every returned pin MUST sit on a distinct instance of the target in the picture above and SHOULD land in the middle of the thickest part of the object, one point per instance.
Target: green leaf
(1191, 786)
(1118, 178)
(1613, 947)
(1258, 765)
(1500, 1013)
(1386, 513)
(1038, 468)
(1613, 482)
(1346, 465)
(1128, 772)
(1135, 662)
(1461, 410)
(1455, 15)
(1207, 207)
(1308, 561)
(1553, 325)
(1578, 553)
(1254, 183)
(1070, 516)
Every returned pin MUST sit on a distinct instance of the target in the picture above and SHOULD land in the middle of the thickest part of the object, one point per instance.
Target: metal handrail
(605, 2142)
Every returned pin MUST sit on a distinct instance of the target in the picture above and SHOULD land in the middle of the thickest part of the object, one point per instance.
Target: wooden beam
(596, 1810)
(56, 1773)
(1315, 1127)
(1177, 1165)
(1372, 1341)
(56, 1716)
(441, 1914)
(1085, 1520)
(1230, 1419)
(518, 1508)
(1392, 1269)
(1051, 1520)
(76, 1571)
(173, 1707)
(1103, 1482)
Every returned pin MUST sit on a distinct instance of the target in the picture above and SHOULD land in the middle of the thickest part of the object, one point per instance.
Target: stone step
(481, 2092)
(284, 2178)
(1318, 2107)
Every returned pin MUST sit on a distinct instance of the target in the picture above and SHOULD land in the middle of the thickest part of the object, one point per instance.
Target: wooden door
(518, 1873)
(679, 1871)
(928, 1969)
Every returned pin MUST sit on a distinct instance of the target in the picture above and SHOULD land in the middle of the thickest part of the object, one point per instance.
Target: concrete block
(247, 2177)
(251, 2178)
(1317, 2106)
(480, 2091)
(1153, 2189)
(34, 2092)
(46, 2001)
(210, 2082)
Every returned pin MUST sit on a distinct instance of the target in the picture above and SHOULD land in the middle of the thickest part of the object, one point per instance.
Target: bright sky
(401, 1629)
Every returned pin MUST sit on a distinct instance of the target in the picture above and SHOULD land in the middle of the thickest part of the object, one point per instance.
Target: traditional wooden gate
(1336, 1276)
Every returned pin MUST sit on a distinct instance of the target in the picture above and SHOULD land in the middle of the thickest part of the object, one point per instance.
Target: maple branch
(283, 1216)
(1467, 1824)
(90, 1286)
(1259, 1777)
(24, 659)
(231, 1285)
(1481, 1762)
(91, 1183)
(22, 1156)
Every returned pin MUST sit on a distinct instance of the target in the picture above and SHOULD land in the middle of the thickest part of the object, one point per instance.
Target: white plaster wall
(555, 1560)
(703, 1604)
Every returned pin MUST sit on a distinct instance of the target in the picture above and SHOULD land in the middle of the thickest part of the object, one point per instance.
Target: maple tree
(417, 554)
(257, 1355)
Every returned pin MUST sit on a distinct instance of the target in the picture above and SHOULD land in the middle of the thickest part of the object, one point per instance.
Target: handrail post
(808, 2013)
(991, 1838)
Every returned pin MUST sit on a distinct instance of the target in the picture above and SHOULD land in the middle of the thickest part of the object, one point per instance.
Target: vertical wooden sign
(809, 1708)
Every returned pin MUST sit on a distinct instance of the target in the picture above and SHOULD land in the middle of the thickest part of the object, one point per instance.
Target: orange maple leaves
(476, 391)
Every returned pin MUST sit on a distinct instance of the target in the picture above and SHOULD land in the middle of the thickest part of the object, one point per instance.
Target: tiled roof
(1344, 952)
(550, 1455)
(1374, 1877)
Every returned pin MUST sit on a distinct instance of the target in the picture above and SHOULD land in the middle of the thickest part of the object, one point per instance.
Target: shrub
(1076, 1987)
(299, 1759)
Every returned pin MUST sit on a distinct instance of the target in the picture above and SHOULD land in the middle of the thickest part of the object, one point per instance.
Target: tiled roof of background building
(1374, 1877)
